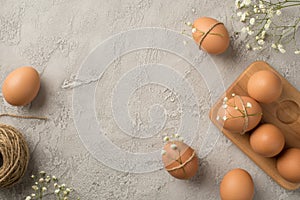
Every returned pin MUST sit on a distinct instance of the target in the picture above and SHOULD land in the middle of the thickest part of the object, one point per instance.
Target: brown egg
(239, 114)
(237, 184)
(211, 35)
(180, 160)
(288, 165)
(264, 86)
(267, 140)
(21, 86)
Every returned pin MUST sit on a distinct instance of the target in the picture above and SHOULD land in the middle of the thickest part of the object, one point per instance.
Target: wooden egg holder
(284, 113)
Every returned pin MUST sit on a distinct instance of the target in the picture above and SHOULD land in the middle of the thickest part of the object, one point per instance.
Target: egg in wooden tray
(264, 119)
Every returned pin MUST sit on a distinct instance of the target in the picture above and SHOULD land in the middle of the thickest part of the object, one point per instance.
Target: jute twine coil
(14, 151)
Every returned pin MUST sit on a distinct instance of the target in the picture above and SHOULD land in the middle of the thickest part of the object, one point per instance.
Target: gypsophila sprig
(46, 185)
(265, 26)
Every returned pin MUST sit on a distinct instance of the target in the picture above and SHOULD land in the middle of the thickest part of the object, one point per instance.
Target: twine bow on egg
(14, 152)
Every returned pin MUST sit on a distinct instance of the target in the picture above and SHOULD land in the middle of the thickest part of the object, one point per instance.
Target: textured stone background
(55, 36)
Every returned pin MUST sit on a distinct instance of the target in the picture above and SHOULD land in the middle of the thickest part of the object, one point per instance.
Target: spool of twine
(14, 152)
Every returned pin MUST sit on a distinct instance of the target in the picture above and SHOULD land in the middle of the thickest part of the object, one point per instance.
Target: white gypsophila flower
(163, 152)
(33, 195)
(57, 191)
(44, 189)
(279, 46)
(255, 10)
(35, 188)
(261, 42)
(270, 13)
(257, 48)
(173, 146)
(248, 46)
(194, 30)
(282, 50)
(28, 198)
(166, 139)
(189, 23)
(247, 2)
(243, 17)
(250, 32)
(238, 4)
(225, 118)
(267, 26)
(297, 52)
(274, 46)
(278, 12)
(257, 37)
(252, 21)
(263, 34)
(249, 105)
(261, 5)
(239, 14)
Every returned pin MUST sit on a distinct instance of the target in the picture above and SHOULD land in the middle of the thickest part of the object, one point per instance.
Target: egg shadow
(41, 98)
(201, 175)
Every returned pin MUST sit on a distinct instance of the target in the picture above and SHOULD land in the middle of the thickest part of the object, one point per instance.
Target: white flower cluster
(43, 182)
(261, 18)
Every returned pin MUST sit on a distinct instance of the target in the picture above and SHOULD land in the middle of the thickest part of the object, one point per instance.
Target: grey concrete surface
(56, 36)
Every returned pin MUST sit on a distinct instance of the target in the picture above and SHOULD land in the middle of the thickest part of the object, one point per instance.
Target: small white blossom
(243, 17)
(255, 10)
(249, 105)
(225, 99)
(250, 32)
(261, 42)
(274, 46)
(252, 21)
(233, 94)
(297, 52)
(266, 26)
(237, 3)
(282, 50)
(173, 146)
(257, 37)
(225, 106)
(263, 34)
(218, 118)
(189, 23)
(41, 180)
(28, 198)
(194, 30)
(247, 2)
(33, 195)
(35, 188)
(44, 189)
(248, 46)
(166, 139)
(239, 14)
(278, 12)
(236, 108)
(224, 118)
(57, 191)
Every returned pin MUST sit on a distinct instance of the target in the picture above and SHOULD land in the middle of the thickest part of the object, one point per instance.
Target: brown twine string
(183, 164)
(14, 151)
(246, 124)
(22, 116)
(207, 32)
(15, 155)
